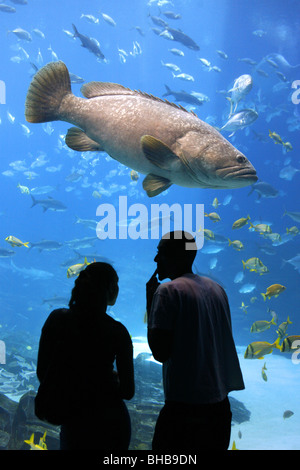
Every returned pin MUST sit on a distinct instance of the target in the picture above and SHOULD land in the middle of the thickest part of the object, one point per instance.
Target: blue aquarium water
(192, 56)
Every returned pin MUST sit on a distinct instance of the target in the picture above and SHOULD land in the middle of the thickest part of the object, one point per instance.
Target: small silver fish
(108, 19)
(21, 34)
(7, 9)
(184, 76)
(240, 89)
(240, 120)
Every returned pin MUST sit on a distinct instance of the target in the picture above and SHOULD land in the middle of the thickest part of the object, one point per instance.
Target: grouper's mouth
(248, 174)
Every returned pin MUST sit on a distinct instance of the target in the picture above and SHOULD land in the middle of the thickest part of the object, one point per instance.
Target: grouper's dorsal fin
(170, 103)
(93, 89)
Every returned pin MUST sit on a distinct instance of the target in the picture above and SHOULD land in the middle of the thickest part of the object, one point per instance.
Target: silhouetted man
(189, 331)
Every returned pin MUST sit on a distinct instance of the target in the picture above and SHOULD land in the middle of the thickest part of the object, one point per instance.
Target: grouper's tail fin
(46, 92)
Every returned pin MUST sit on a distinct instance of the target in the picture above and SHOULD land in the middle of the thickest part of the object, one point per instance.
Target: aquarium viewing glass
(236, 65)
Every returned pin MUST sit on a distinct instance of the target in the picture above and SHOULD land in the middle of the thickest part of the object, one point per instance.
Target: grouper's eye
(241, 159)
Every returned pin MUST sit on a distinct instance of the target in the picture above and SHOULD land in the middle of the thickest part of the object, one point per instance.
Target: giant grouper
(150, 135)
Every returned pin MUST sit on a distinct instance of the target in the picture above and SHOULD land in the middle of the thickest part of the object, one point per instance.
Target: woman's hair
(91, 288)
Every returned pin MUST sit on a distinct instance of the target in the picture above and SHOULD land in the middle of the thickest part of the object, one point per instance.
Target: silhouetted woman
(88, 341)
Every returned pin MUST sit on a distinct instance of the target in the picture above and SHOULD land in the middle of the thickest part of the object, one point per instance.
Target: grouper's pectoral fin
(158, 153)
(154, 184)
(76, 139)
